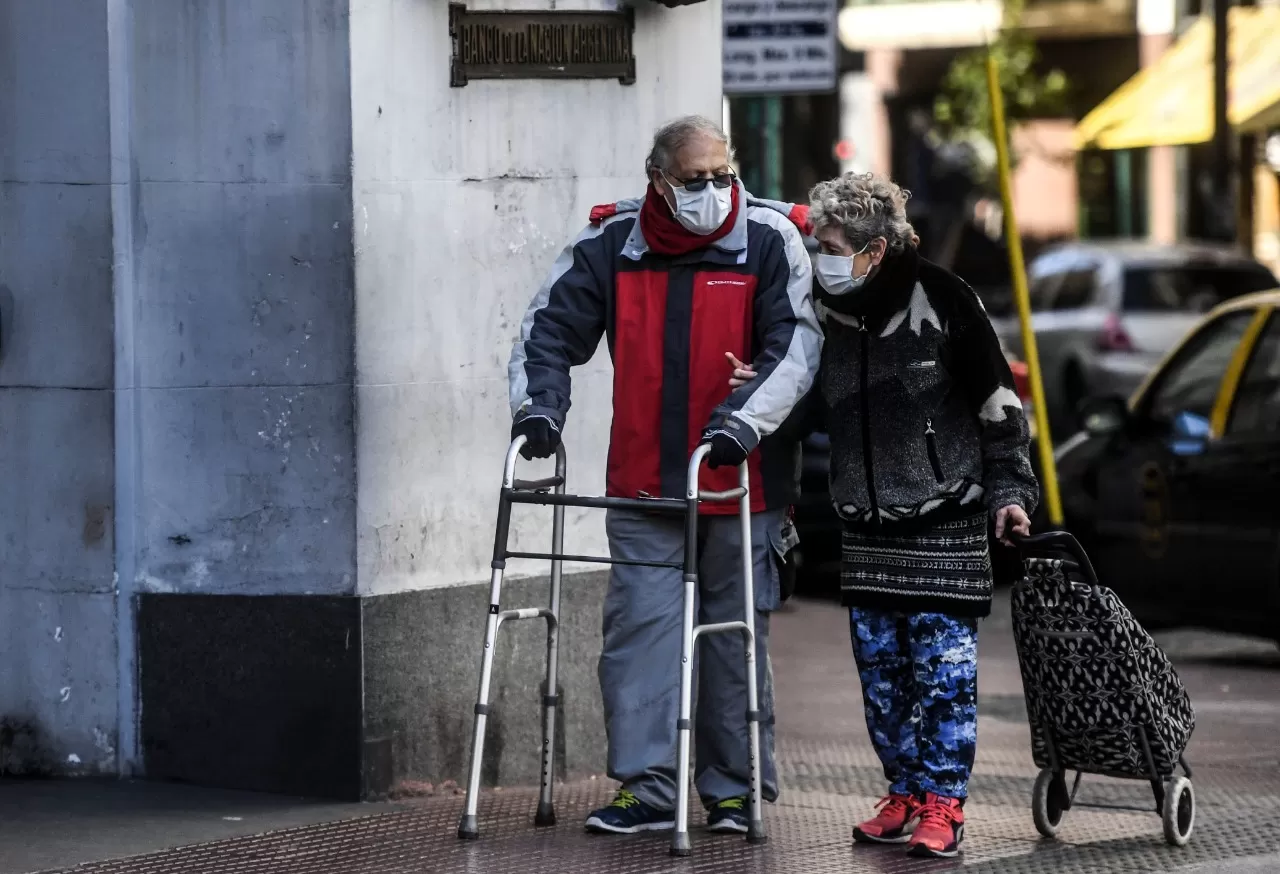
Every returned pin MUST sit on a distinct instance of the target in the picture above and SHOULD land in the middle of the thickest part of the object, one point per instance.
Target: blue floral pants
(919, 676)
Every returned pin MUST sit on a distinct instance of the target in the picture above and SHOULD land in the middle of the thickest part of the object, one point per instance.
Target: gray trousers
(640, 662)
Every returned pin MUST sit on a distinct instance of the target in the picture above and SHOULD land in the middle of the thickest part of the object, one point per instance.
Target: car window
(1190, 288)
(1190, 383)
(1068, 290)
(1077, 290)
(1257, 403)
(1042, 290)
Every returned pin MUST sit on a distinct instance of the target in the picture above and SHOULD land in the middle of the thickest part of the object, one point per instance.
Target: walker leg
(468, 828)
(546, 815)
(680, 845)
(755, 827)
(680, 840)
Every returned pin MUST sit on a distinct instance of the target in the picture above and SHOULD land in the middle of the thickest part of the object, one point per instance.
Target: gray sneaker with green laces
(729, 815)
(627, 815)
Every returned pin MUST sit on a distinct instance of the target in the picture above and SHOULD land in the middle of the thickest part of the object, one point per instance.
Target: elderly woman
(928, 440)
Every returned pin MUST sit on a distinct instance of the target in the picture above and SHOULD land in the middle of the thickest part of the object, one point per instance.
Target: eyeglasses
(719, 180)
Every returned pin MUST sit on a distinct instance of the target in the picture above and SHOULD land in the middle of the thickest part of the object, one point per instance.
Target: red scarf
(666, 236)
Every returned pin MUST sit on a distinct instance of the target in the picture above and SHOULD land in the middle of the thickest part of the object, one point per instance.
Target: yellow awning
(1255, 89)
(1170, 103)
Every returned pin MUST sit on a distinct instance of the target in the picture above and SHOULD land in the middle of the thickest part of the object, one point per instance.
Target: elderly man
(676, 280)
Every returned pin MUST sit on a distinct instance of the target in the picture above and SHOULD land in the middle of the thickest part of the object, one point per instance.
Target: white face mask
(701, 212)
(835, 273)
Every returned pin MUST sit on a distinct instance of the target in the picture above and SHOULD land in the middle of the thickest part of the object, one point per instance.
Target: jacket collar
(729, 249)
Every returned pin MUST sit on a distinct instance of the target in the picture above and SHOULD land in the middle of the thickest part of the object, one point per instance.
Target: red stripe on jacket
(723, 318)
(635, 458)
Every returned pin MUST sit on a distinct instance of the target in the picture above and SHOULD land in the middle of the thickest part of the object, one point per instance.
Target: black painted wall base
(259, 693)
(349, 698)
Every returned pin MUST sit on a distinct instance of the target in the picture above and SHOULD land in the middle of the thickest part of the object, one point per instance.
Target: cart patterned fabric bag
(1093, 677)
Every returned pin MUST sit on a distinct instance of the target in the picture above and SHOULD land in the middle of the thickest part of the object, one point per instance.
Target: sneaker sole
(920, 851)
(729, 827)
(861, 837)
(600, 827)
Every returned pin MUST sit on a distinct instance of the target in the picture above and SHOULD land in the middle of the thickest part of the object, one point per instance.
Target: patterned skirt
(943, 569)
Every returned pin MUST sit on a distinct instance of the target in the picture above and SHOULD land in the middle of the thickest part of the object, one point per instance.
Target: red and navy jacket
(669, 322)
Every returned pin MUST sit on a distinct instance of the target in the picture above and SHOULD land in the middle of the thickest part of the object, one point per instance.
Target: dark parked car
(1175, 493)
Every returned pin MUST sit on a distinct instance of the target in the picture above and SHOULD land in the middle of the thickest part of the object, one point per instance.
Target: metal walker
(551, 492)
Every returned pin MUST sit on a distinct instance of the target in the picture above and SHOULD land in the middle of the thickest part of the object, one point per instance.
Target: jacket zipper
(931, 442)
(866, 426)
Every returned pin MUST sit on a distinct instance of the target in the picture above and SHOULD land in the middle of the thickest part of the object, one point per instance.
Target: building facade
(261, 266)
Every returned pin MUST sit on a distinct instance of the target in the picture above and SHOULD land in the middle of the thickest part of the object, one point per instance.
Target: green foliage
(963, 110)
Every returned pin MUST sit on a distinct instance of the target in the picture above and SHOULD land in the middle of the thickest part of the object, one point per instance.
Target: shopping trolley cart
(550, 492)
(1102, 697)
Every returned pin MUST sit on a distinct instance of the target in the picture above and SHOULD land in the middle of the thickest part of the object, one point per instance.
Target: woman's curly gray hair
(865, 206)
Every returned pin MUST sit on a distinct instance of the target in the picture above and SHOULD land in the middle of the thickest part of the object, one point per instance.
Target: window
(1042, 290)
(1257, 404)
(1190, 383)
(1076, 291)
(1070, 290)
(1190, 288)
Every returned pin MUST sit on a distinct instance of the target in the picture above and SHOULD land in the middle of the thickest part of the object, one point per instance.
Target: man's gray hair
(865, 206)
(673, 135)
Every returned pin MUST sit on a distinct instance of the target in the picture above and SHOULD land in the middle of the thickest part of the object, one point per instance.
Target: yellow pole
(1018, 271)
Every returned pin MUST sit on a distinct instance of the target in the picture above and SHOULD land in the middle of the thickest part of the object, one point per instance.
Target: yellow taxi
(1175, 492)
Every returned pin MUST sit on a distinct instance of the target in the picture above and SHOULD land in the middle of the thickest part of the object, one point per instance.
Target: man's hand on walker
(742, 372)
(542, 437)
(726, 451)
(1012, 520)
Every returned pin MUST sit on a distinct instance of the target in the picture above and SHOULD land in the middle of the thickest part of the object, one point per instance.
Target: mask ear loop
(862, 251)
(873, 264)
(671, 183)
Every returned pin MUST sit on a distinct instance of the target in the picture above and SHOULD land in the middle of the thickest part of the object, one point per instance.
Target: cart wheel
(1179, 812)
(1046, 803)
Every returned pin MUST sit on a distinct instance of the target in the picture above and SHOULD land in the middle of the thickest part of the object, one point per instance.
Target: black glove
(542, 437)
(726, 451)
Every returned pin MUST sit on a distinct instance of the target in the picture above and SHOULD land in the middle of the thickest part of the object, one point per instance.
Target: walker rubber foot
(680, 847)
(469, 829)
(546, 815)
(756, 834)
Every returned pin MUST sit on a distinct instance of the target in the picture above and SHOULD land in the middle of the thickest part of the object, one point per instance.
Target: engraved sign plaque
(541, 45)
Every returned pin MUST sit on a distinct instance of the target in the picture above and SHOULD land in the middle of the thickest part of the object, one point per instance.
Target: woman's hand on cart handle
(1012, 521)
(742, 372)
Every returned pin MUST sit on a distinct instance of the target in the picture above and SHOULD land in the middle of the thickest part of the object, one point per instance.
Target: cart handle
(1062, 541)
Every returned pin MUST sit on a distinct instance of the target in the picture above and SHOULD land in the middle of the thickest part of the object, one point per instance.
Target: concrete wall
(58, 690)
(176, 306)
(197, 294)
(243, 296)
(463, 197)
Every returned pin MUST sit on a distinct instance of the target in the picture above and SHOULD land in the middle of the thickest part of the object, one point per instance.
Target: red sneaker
(893, 824)
(939, 828)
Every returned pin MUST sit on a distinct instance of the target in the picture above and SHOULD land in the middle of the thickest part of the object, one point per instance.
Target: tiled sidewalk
(830, 780)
